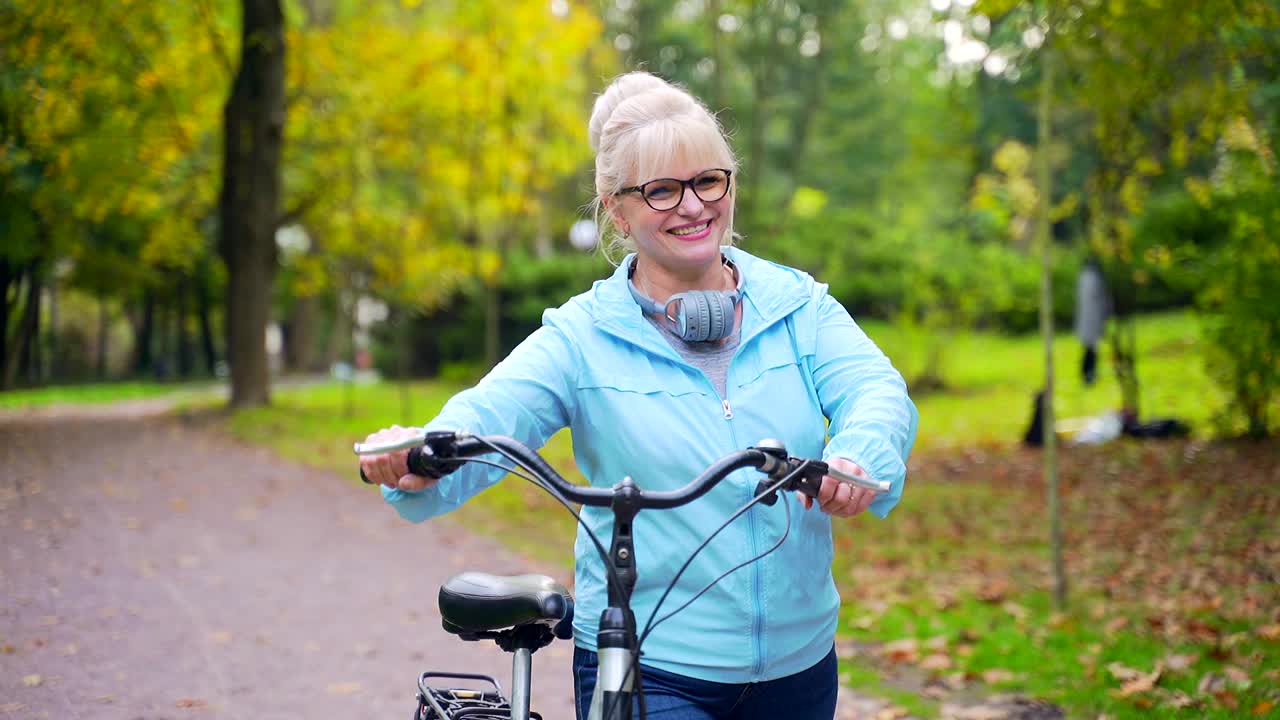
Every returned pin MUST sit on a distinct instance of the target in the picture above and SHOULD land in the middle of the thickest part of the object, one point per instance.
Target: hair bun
(620, 90)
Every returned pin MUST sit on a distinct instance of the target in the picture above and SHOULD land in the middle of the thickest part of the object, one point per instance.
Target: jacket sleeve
(528, 396)
(872, 420)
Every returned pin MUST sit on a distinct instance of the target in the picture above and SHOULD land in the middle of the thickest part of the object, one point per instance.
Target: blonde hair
(641, 123)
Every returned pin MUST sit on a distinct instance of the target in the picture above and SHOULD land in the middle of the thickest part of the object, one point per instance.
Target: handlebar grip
(420, 465)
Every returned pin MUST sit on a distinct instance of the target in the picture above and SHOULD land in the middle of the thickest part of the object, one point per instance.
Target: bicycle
(525, 613)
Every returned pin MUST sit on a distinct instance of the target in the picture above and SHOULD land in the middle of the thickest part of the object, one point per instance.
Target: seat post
(521, 676)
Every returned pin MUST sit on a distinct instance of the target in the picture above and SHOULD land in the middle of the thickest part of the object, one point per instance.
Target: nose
(690, 205)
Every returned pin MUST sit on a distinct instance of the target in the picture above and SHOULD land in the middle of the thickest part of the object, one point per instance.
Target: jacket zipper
(757, 582)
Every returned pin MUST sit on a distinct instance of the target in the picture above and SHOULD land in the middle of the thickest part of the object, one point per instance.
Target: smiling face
(678, 248)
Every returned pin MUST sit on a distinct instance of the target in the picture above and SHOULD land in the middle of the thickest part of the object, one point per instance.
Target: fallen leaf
(192, 703)
(1178, 663)
(996, 675)
(1017, 611)
(178, 504)
(1178, 700)
(1123, 673)
(893, 712)
(1268, 632)
(1228, 698)
(936, 661)
(905, 650)
(132, 523)
(1210, 684)
(1236, 675)
(1143, 683)
(32, 680)
(1116, 624)
(11, 707)
(994, 590)
(220, 636)
(344, 688)
(1263, 707)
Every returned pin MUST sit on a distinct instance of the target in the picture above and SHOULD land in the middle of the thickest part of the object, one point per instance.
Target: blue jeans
(807, 695)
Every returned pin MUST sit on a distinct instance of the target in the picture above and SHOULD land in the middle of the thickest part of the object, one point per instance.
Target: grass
(993, 378)
(97, 393)
(1171, 547)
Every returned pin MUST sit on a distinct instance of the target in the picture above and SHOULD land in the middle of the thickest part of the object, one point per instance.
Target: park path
(151, 569)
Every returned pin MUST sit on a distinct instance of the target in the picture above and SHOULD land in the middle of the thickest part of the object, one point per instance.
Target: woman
(735, 349)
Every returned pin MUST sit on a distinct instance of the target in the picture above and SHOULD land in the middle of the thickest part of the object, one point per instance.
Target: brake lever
(810, 480)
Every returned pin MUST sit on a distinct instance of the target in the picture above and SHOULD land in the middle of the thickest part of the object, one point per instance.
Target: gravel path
(154, 570)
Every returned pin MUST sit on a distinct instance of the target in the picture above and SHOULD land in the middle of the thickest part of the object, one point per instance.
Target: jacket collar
(770, 293)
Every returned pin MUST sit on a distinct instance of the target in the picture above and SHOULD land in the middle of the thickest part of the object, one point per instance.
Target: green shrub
(1241, 296)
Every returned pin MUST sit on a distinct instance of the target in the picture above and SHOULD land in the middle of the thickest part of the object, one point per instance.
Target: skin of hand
(841, 499)
(392, 469)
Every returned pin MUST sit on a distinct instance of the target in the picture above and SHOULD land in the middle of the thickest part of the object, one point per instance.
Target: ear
(614, 207)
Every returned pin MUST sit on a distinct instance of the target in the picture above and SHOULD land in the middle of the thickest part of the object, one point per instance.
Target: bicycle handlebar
(438, 453)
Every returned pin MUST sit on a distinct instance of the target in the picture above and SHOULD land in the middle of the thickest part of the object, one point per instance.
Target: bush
(1241, 296)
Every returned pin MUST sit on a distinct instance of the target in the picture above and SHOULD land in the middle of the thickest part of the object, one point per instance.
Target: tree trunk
(8, 279)
(299, 345)
(164, 337)
(204, 307)
(186, 358)
(18, 361)
(142, 335)
(104, 327)
(1045, 239)
(253, 120)
(53, 366)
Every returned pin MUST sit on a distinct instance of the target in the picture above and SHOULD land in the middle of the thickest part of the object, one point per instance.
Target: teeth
(691, 230)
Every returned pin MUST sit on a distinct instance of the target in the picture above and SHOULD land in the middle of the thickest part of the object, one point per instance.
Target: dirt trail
(152, 570)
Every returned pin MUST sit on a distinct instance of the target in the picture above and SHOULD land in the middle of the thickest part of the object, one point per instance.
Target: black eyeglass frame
(684, 185)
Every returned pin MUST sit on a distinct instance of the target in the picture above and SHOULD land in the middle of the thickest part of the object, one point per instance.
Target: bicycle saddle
(476, 602)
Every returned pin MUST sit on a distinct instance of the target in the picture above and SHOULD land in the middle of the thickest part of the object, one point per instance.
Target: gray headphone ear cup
(715, 318)
(696, 312)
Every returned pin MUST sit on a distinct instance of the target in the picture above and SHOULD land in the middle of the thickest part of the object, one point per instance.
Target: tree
(254, 119)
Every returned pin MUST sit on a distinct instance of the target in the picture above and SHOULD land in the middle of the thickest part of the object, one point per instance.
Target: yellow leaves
(1199, 189)
(1012, 158)
(808, 202)
(1240, 135)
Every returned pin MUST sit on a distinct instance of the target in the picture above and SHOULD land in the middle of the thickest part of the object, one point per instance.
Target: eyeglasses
(667, 193)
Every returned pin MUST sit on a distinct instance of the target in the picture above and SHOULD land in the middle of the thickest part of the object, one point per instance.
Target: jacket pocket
(644, 380)
(768, 355)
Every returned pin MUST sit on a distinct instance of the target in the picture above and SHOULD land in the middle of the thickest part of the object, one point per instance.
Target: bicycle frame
(616, 639)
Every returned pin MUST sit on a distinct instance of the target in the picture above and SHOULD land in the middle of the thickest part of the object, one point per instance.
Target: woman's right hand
(392, 469)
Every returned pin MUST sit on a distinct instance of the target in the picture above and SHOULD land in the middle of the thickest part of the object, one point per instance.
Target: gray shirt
(712, 358)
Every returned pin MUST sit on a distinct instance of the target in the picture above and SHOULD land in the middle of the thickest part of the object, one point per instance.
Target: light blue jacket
(636, 408)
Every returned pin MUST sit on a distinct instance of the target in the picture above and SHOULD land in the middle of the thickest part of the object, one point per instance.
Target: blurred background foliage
(435, 159)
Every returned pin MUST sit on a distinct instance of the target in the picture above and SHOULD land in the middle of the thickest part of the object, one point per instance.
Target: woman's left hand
(840, 499)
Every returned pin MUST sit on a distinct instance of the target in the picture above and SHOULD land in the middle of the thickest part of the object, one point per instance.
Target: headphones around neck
(694, 315)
